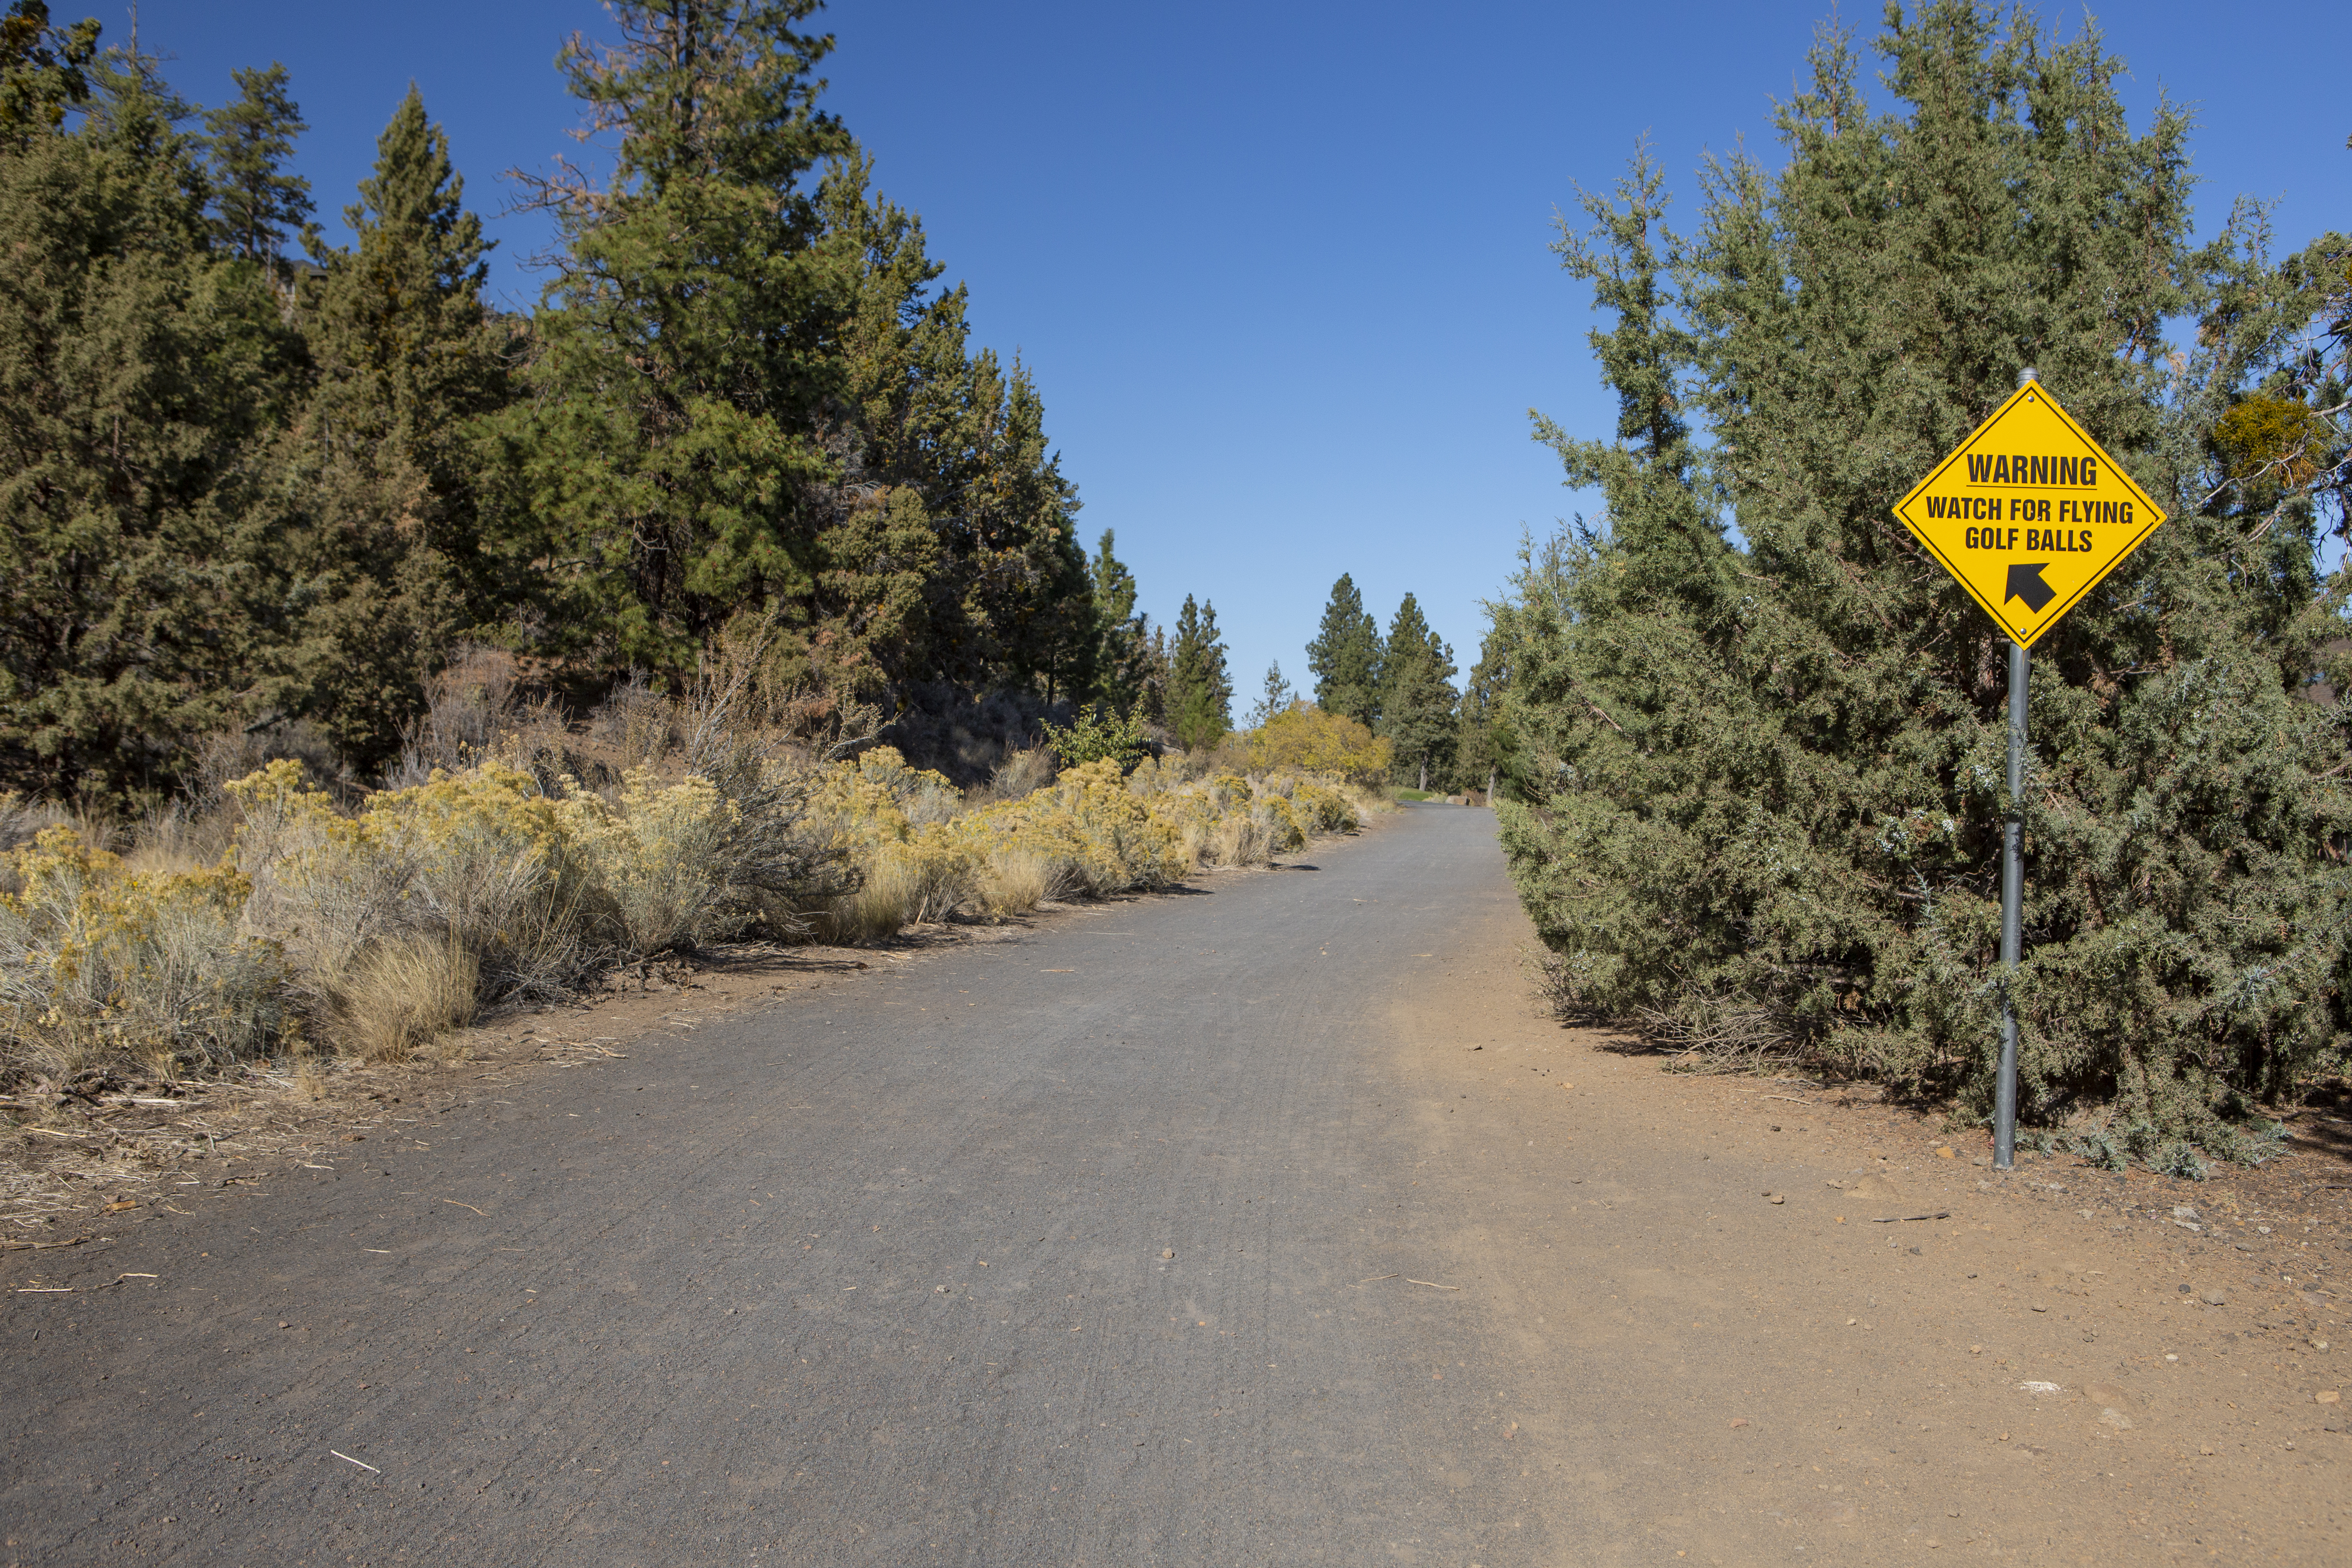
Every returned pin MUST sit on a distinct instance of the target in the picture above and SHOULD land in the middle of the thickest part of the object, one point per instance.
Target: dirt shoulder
(1881, 1344)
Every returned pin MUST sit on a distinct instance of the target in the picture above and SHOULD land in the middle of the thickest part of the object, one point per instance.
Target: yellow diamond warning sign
(2029, 513)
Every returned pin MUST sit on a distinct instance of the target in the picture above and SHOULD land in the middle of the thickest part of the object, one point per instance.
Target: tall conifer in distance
(406, 356)
(1200, 691)
(945, 538)
(1485, 748)
(1274, 697)
(1766, 783)
(1416, 696)
(1345, 656)
(1127, 671)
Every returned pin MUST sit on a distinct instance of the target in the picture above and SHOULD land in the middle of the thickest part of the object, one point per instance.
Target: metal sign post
(2012, 915)
(2028, 514)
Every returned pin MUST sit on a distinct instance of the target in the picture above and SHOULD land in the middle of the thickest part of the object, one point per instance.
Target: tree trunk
(1425, 778)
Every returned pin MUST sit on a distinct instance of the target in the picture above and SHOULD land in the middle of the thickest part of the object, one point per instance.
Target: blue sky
(1281, 269)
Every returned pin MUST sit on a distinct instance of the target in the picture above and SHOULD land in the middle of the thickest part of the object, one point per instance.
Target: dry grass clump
(404, 994)
(1022, 774)
(1014, 880)
(1090, 822)
(286, 911)
(916, 884)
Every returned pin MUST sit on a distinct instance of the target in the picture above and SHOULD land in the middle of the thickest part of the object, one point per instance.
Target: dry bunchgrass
(1022, 774)
(1017, 881)
(403, 995)
(903, 888)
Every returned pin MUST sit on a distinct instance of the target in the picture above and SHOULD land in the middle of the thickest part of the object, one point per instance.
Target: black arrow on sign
(2025, 583)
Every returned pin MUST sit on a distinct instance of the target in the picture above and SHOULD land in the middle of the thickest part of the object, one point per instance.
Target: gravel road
(1247, 1225)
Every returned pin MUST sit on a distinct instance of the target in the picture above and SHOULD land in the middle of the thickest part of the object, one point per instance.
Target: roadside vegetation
(370, 655)
(278, 916)
(1755, 737)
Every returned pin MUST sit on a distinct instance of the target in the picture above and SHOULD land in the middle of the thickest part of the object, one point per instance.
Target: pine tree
(1201, 694)
(1345, 656)
(143, 587)
(407, 356)
(1277, 698)
(1015, 533)
(666, 473)
(1766, 780)
(1416, 696)
(258, 203)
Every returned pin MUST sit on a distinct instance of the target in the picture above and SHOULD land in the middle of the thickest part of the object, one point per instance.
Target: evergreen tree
(1276, 698)
(142, 592)
(1416, 696)
(1485, 748)
(947, 544)
(407, 355)
(1764, 783)
(258, 203)
(662, 477)
(1345, 656)
(44, 71)
(1200, 694)
(1017, 536)
(1124, 662)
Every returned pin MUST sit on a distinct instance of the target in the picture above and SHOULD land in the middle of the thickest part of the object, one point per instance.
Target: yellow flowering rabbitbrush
(97, 959)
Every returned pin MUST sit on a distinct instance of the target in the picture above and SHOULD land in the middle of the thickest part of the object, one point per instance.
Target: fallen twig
(1908, 1218)
(1433, 1284)
(362, 1464)
(1378, 1277)
(464, 1206)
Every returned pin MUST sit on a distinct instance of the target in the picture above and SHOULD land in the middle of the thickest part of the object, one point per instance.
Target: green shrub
(1100, 736)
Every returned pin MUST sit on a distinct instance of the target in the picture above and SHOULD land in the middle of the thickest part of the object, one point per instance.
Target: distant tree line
(249, 479)
(1401, 687)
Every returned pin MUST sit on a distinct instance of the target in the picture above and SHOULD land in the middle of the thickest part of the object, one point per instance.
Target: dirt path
(1263, 1223)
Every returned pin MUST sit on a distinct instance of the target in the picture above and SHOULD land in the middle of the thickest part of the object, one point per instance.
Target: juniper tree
(1766, 779)
(406, 357)
(143, 594)
(1345, 656)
